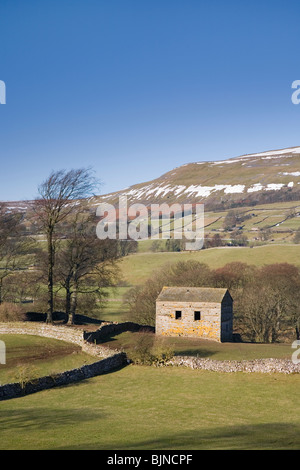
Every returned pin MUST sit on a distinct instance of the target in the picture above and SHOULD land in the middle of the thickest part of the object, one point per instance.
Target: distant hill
(266, 177)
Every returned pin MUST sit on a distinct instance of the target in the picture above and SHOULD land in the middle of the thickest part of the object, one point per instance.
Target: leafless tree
(85, 265)
(59, 196)
(14, 246)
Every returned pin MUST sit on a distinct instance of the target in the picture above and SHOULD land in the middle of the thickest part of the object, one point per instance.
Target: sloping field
(138, 267)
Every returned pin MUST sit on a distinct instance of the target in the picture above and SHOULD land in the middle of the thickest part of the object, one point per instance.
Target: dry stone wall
(271, 365)
(14, 390)
(114, 329)
(208, 327)
(110, 359)
(61, 332)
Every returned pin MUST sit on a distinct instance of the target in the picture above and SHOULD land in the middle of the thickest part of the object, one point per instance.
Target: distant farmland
(138, 267)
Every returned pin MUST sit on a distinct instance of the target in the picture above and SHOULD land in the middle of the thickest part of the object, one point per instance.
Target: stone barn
(198, 312)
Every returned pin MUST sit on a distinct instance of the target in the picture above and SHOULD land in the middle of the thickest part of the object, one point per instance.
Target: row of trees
(74, 265)
(84, 264)
(266, 299)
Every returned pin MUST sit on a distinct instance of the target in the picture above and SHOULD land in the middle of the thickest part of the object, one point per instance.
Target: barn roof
(192, 294)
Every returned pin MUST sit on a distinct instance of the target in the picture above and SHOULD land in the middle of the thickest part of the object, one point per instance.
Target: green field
(281, 218)
(136, 268)
(158, 409)
(204, 348)
(143, 407)
(29, 357)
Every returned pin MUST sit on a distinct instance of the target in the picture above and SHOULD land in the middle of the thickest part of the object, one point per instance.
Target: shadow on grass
(107, 339)
(277, 436)
(129, 344)
(43, 418)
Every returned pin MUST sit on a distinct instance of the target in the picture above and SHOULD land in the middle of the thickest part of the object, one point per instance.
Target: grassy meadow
(152, 408)
(144, 407)
(138, 267)
(129, 341)
(29, 357)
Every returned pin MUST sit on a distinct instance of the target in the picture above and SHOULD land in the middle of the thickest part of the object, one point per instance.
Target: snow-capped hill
(265, 176)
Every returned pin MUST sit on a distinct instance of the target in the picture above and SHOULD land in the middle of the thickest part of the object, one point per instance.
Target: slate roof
(192, 294)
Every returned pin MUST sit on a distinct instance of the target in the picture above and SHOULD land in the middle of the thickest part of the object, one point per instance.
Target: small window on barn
(177, 314)
(197, 316)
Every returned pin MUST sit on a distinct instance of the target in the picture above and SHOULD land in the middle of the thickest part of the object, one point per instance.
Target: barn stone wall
(226, 319)
(209, 326)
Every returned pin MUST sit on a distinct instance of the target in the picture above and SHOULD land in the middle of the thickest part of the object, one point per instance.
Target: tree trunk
(73, 306)
(50, 276)
(68, 303)
(67, 286)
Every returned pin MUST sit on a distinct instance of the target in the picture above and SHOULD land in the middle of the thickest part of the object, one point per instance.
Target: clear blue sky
(134, 88)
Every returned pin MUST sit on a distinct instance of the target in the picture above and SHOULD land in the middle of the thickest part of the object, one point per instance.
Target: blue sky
(134, 88)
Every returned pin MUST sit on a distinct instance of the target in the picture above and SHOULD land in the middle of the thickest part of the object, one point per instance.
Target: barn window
(197, 316)
(178, 315)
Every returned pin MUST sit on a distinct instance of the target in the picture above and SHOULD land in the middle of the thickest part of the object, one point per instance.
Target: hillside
(258, 178)
(264, 186)
(139, 267)
(267, 177)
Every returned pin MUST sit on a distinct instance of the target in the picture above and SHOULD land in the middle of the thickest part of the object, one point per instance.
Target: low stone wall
(271, 365)
(14, 390)
(61, 332)
(111, 359)
(114, 329)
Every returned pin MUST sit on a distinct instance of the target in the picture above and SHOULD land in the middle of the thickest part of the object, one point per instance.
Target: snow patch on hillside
(293, 173)
(274, 186)
(273, 153)
(198, 191)
(255, 187)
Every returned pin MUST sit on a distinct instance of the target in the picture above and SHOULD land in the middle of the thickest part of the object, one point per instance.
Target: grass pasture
(140, 407)
(205, 348)
(29, 357)
(152, 408)
(138, 267)
(281, 218)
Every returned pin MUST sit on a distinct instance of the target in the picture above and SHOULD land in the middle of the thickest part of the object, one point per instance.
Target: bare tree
(59, 196)
(141, 299)
(14, 246)
(268, 303)
(85, 264)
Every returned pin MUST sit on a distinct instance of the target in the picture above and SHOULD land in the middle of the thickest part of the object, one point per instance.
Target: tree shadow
(43, 418)
(276, 436)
